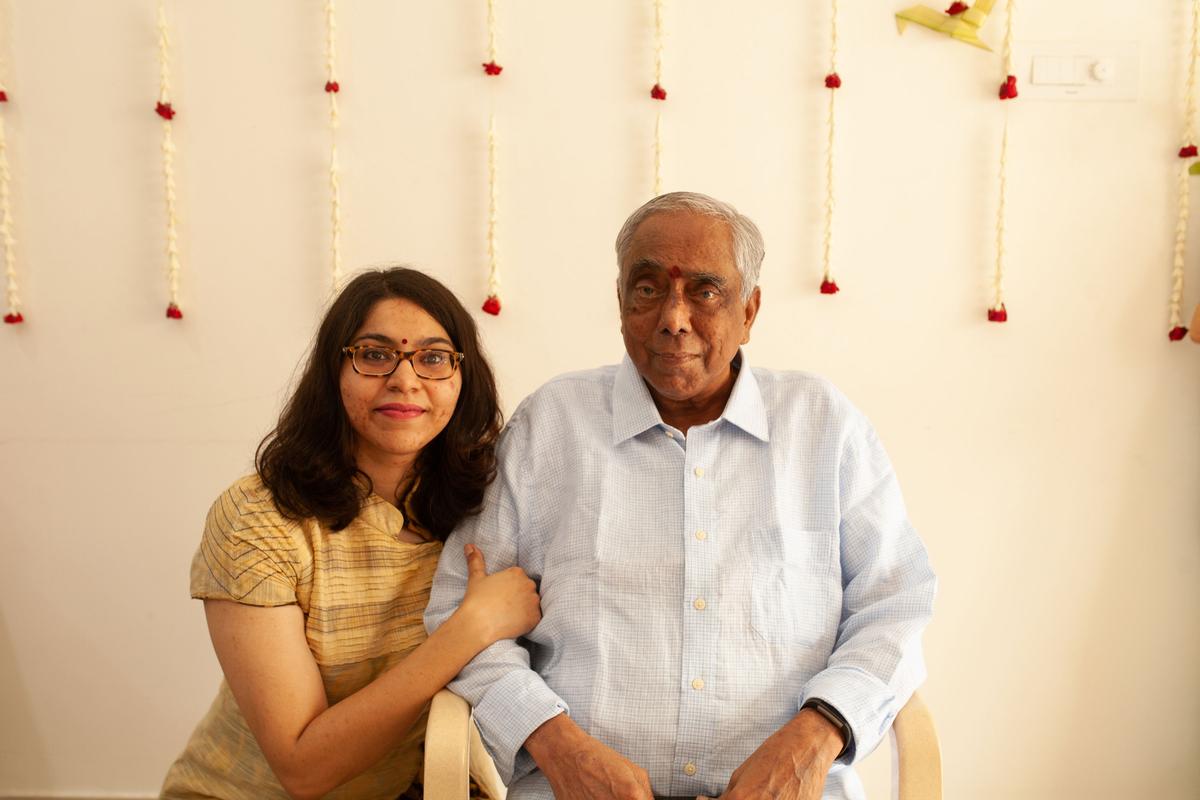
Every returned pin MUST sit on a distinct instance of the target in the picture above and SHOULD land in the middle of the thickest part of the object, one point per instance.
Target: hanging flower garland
(1008, 91)
(491, 304)
(1187, 150)
(657, 92)
(167, 112)
(833, 82)
(13, 315)
(332, 87)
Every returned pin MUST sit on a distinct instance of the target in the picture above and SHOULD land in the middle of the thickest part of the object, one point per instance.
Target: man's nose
(675, 316)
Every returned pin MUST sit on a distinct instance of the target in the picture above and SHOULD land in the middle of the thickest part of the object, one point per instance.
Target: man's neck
(683, 414)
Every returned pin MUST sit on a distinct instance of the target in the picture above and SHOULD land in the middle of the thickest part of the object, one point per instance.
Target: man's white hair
(748, 249)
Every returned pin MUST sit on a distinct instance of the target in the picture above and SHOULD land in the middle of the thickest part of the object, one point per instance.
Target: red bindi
(675, 272)
(404, 341)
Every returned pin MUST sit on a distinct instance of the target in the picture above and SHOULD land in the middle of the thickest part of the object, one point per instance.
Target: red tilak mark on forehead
(674, 272)
(404, 341)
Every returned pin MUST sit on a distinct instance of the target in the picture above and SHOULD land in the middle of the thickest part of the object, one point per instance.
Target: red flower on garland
(3, 96)
(829, 287)
(1177, 333)
(833, 81)
(956, 8)
(492, 305)
(658, 92)
(164, 110)
(173, 312)
(1008, 89)
(998, 315)
(13, 319)
(332, 87)
(492, 68)
(1188, 152)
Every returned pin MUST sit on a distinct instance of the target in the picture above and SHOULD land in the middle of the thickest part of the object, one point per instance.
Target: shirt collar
(634, 411)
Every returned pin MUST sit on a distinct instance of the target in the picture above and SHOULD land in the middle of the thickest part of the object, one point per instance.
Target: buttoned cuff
(513, 708)
(867, 705)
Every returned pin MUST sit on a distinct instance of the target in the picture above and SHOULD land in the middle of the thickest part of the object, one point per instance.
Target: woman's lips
(400, 411)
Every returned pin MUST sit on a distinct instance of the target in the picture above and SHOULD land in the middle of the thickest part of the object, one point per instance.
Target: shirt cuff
(513, 708)
(867, 705)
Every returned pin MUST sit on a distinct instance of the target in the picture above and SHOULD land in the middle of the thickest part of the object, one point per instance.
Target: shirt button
(670, 434)
(697, 683)
(689, 769)
(699, 604)
(702, 535)
(699, 472)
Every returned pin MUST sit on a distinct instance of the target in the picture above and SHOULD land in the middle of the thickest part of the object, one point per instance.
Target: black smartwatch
(835, 719)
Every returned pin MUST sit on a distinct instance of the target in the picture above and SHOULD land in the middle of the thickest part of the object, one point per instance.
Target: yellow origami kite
(963, 26)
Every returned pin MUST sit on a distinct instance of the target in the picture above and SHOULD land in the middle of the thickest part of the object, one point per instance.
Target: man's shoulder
(797, 395)
(570, 389)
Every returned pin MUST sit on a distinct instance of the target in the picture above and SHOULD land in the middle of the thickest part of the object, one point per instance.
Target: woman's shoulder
(249, 551)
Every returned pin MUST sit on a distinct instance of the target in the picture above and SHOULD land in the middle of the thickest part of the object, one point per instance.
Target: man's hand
(579, 766)
(791, 764)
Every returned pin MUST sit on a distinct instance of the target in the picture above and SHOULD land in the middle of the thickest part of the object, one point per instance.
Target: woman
(315, 571)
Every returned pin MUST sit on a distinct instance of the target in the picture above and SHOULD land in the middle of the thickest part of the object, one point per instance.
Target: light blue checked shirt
(695, 590)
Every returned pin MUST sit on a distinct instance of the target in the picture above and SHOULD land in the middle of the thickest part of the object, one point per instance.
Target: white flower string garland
(167, 112)
(1187, 150)
(13, 315)
(998, 312)
(833, 82)
(332, 88)
(657, 92)
(491, 304)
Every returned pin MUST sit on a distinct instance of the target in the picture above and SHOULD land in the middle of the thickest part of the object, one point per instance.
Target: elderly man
(732, 595)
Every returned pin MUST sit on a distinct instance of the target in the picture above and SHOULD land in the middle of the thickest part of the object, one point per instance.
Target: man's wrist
(835, 722)
(549, 739)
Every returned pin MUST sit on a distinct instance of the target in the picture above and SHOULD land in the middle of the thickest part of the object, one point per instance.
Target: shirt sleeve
(888, 589)
(248, 552)
(508, 698)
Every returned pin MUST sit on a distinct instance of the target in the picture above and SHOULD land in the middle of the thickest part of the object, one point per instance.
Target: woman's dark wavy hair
(307, 462)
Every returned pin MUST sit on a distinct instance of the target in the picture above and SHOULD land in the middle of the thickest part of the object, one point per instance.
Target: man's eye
(644, 290)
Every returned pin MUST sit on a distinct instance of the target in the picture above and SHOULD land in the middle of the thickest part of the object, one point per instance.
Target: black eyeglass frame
(404, 355)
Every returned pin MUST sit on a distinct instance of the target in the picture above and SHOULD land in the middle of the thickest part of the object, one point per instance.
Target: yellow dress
(363, 593)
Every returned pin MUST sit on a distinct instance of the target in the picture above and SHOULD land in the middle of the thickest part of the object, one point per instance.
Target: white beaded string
(658, 66)
(658, 42)
(658, 181)
(827, 256)
(491, 26)
(335, 198)
(12, 288)
(493, 214)
(1181, 226)
(168, 156)
(1001, 209)
(998, 307)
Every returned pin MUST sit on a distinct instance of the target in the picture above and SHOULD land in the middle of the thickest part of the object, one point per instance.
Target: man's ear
(752, 306)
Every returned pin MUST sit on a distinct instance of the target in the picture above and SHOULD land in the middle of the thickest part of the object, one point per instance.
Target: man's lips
(400, 410)
(675, 358)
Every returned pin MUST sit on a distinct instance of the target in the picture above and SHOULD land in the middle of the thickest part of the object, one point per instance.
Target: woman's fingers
(476, 567)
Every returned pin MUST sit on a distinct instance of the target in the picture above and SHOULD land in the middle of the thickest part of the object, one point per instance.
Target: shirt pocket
(795, 596)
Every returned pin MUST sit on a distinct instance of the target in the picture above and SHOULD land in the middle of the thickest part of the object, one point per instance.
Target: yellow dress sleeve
(249, 552)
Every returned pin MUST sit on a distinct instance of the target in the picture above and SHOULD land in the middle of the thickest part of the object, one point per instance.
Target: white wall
(1050, 463)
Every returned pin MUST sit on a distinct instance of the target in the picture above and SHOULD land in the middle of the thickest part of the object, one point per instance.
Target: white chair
(453, 750)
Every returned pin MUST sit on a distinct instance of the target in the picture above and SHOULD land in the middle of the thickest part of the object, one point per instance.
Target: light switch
(1077, 70)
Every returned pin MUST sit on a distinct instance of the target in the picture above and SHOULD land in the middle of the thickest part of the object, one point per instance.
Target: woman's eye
(377, 354)
(433, 358)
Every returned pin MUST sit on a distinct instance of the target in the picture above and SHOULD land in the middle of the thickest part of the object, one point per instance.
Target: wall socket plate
(1104, 71)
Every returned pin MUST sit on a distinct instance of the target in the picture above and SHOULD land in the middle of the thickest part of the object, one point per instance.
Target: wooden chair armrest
(454, 750)
(916, 755)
